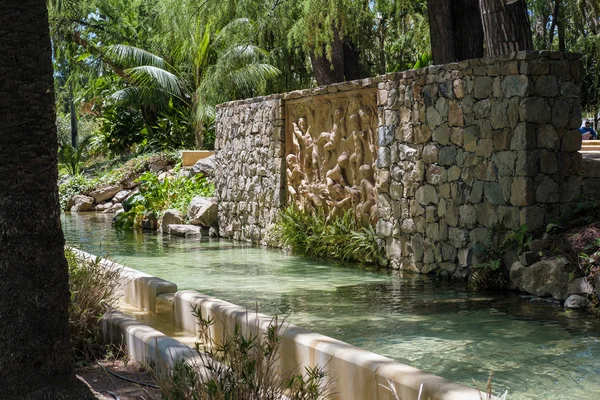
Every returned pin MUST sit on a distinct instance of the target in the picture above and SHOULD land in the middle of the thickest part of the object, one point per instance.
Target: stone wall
(460, 148)
(468, 145)
(250, 170)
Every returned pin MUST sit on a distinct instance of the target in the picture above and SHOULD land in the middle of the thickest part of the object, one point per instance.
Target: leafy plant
(157, 195)
(488, 274)
(242, 367)
(93, 292)
(343, 238)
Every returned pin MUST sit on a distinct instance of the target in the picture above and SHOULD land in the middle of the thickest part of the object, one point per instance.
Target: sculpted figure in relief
(333, 168)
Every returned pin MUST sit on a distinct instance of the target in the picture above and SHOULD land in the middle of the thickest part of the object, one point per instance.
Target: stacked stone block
(250, 170)
(472, 144)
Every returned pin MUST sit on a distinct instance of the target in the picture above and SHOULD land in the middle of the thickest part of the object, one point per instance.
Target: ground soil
(100, 379)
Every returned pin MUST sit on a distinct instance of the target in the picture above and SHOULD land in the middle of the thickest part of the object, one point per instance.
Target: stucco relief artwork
(331, 154)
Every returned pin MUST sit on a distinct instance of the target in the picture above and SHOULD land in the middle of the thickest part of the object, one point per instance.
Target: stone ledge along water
(537, 350)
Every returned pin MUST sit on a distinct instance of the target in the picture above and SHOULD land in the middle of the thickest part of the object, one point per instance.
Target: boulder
(79, 203)
(150, 222)
(159, 165)
(213, 232)
(205, 166)
(576, 301)
(203, 211)
(580, 286)
(129, 182)
(106, 193)
(116, 208)
(121, 196)
(104, 206)
(169, 217)
(184, 230)
(546, 278)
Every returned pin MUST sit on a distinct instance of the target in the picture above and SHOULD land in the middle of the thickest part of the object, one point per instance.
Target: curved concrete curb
(355, 374)
(139, 289)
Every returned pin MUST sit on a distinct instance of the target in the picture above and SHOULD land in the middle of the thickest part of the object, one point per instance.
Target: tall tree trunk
(505, 26)
(36, 360)
(351, 65)
(441, 31)
(468, 29)
(74, 127)
(327, 72)
(381, 36)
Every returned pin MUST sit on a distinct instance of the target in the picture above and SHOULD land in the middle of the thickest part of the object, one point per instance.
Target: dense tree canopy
(177, 59)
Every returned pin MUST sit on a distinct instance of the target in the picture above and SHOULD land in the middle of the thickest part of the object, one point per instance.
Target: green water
(537, 350)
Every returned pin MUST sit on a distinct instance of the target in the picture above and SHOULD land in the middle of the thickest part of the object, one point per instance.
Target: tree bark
(36, 360)
(327, 72)
(505, 26)
(468, 29)
(74, 127)
(441, 31)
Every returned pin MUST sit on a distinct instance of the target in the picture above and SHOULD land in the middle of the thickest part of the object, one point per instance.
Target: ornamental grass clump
(342, 237)
(241, 366)
(94, 291)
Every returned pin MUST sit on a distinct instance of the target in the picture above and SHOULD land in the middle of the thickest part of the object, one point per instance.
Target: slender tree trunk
(381, 33)
(441, 31)
(468, 29)
(36, 360)
(505, 26)
(74, 127)
(553, 24)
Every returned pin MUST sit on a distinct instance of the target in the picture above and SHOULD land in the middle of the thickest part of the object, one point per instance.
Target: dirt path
(99, 377)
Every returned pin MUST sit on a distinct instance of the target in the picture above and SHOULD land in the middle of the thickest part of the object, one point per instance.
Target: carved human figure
(367, 194)
(299, 130)
(367, 135)
(295, 176)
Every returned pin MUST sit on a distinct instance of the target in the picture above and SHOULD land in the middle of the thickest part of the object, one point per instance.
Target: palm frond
(136, 97)
(130, 56)
(149, 77)
(253, 75)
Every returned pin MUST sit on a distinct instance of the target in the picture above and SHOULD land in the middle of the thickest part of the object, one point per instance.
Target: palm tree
(36, 360)
(224, 69)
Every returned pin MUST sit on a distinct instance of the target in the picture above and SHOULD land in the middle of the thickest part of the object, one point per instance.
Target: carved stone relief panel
(331, 151)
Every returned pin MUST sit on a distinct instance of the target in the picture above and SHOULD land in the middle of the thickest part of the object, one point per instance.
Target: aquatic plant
(242, 367)
(342, 237)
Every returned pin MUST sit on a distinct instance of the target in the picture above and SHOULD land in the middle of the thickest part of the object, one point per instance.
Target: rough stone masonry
(461, 147)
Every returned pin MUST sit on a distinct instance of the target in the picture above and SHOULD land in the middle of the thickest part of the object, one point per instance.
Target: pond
(536, 350)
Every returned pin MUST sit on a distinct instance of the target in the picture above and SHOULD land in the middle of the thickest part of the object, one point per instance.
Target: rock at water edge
(184, 230)
(203, 211)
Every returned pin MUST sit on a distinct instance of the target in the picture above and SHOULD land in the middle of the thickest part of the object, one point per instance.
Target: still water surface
(536, 350)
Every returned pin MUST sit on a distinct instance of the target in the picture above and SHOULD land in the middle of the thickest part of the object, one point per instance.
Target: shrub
(158, 195)
(240, 367)
(342, 238)
(488, 274)
(93, 293)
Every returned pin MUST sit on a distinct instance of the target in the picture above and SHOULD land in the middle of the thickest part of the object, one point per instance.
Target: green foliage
(488, 274)
(341, 238)
(107, 172)
(158, 195)
(73, 185)
(94, 291)
(241, 366)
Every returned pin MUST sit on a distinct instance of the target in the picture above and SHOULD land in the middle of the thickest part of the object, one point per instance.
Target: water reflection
(537, 350)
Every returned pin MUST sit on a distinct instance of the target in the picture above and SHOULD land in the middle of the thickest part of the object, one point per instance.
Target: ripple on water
(537, 351)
